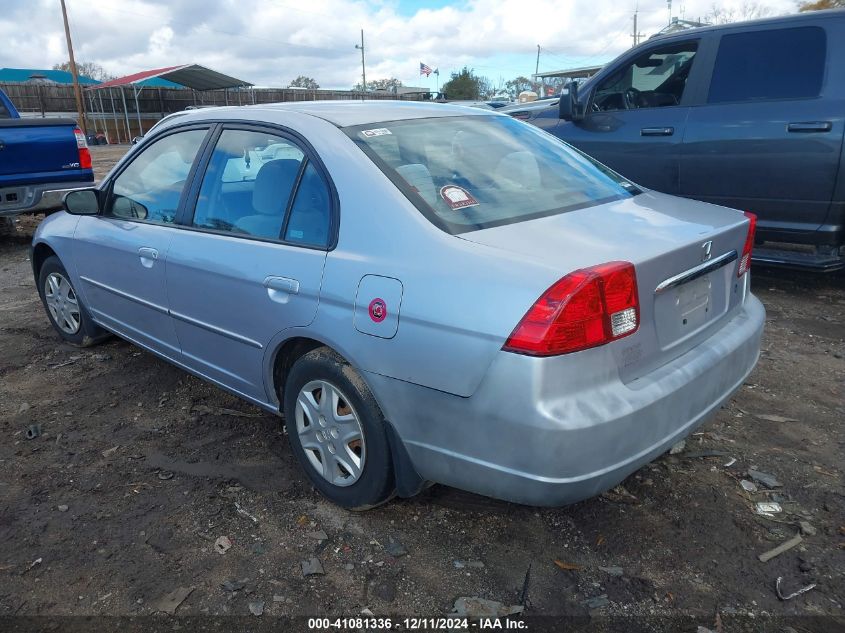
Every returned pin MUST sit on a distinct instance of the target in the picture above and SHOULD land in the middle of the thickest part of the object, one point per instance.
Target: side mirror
(568, 104)
(82, 202)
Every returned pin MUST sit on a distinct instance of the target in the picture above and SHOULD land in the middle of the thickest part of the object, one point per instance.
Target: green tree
(86, 69)
(466, 85)
(304, 82)
(390, 84)
(518, 84)
(819, 5)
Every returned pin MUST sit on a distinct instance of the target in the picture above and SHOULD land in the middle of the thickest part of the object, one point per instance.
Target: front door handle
(657, 131)
(810, 126)
(148, 256)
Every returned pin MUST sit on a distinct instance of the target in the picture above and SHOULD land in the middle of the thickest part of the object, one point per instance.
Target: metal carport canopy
(188, 75)
(191, 76)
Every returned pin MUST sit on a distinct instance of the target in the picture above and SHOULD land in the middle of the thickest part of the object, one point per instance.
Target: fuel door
(377, 306)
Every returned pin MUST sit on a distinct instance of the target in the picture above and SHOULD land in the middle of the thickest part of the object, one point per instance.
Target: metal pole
(103, 111)
(138, 109)
(125, 114)
(80, 107)
(363, 65)
(114, 114)
(93, 113)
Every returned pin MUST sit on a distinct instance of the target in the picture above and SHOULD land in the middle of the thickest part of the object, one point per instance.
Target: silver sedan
(427, 293)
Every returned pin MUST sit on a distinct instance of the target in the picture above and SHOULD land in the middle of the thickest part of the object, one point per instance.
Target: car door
(769, 137)
(250, 261)
(121, 254)
(637, 112)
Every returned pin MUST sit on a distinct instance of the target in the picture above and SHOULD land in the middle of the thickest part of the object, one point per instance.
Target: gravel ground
(141, 468)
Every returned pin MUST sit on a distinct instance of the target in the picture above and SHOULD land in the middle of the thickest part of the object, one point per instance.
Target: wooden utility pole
(80, 108)
(636, 34)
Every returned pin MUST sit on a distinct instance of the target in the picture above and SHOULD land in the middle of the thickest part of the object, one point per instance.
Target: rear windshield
(467, 173)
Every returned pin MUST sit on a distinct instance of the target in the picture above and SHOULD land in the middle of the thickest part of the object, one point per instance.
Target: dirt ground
(140, 467)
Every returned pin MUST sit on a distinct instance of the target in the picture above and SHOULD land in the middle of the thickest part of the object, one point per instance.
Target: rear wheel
(64, 308)
(337, 432)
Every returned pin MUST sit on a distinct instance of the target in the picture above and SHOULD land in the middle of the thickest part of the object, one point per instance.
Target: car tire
(64, 308)
(340, 441)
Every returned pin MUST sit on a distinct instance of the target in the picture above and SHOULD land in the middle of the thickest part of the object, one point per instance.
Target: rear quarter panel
(447, 333)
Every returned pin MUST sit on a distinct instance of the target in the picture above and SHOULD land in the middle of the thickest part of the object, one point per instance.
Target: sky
(270, 42)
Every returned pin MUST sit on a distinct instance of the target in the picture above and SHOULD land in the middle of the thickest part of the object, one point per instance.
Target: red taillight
(587, 308)
(745, 260)
(84, 152)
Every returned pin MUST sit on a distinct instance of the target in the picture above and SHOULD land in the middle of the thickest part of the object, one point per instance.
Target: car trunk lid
(684, 253)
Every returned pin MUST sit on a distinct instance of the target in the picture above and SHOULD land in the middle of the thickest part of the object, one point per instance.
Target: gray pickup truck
(748, 115)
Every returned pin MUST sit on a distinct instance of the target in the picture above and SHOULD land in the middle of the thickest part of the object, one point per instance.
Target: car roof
(350, 113)
(807, 16)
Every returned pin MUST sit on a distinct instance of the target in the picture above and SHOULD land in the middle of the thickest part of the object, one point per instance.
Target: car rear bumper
(555, 431)
(34, 198)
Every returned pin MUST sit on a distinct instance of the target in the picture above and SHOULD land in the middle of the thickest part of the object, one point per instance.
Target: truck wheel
(7, 227)
(337, 431)
(65, 310)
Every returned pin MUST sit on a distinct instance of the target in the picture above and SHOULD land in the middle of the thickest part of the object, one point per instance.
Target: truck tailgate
(39, 150)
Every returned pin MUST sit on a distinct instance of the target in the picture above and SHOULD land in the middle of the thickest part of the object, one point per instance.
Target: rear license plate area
(693, 301)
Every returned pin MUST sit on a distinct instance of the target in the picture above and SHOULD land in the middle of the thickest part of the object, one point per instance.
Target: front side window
(151, 185)
(262, 185)
(771, 64)
(655, 79)
(473, 172)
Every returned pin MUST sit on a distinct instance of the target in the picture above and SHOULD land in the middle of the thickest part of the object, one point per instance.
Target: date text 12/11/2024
(415, 624)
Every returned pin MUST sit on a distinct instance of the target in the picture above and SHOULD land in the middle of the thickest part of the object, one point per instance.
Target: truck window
(655, 79)
(4, 111)
(771, 64)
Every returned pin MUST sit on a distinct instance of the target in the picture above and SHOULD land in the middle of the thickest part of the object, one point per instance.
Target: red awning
(188, 75)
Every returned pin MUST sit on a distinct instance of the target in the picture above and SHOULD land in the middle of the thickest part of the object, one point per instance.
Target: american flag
(425, 70)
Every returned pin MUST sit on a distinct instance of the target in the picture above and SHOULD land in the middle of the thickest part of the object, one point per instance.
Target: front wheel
(337, 431)
(64, 308)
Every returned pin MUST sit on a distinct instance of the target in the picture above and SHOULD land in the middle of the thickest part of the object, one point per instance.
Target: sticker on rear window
(379, 131)
(457, 197)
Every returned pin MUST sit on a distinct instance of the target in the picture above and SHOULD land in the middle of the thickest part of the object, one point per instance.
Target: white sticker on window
(379, 131)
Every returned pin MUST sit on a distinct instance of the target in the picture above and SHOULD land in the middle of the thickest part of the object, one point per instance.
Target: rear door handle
(810, 126)
(281, 285)
(148, 256)
(657, 131)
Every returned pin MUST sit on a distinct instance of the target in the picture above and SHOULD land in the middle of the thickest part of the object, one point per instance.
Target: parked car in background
(748, 115)
(426, 292)
(39, 158)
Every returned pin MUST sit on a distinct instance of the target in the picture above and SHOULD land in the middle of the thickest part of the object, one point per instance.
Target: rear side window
(4, 111)
(262, 185)
(772, 64)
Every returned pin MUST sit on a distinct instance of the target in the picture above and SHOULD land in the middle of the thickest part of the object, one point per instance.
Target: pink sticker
(457, 197)
(378, 310)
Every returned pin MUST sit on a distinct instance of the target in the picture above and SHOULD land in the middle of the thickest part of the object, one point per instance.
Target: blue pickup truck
(749, 115)
(38, 159)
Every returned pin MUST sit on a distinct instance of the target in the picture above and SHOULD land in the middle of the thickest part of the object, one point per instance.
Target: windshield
(473, 172)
